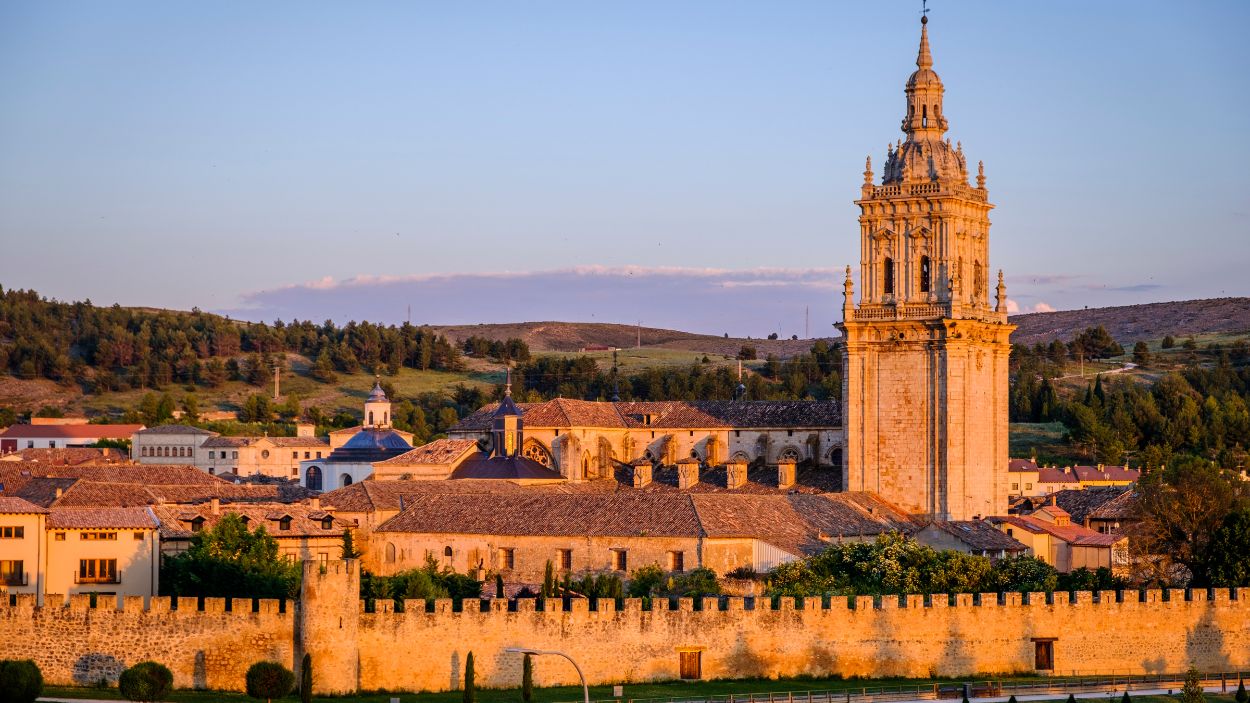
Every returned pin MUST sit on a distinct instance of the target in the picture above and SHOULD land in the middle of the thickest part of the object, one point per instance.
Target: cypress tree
(549, 580)
(1125, 698)
(499, 585)
(1071, 698)
(305, 679)
(470, 689)
(1242, 696)
(1012, 699)
(527, 680)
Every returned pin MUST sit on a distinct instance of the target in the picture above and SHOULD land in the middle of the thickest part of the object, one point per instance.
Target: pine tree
(1191, 692)
(470, 688)
(349, 546)
(527, 680)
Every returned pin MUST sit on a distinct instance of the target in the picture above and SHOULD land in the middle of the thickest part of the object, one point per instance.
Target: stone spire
(1002, 294)
(924, 59)
(848, 296)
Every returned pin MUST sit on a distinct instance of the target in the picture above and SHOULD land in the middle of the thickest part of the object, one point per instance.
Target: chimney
(1054, 500)
(304, 429)
(735, 473)
(315, 502)
(642, 473)
(59, 492)
(787, 473)
(687, 473)
(214, 506)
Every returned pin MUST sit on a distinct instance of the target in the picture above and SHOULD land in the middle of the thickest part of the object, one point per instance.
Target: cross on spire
(924, 11)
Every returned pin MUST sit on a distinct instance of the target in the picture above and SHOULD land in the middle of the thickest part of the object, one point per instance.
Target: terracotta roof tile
(175, 429)
(101, 518)
(979, 534)
(439, 452)
(18, 506)
(306, 521)
(70, 431)
(563, 412)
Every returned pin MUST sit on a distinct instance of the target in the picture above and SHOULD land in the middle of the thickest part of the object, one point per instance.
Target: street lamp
(540, 652)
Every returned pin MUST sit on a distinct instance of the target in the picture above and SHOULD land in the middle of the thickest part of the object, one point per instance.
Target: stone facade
(424, 649)
(925, 358)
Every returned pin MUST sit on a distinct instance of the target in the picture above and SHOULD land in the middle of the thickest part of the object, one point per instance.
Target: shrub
(470, 689)
(305, 679)
(269, 680)
(145, 681)
(20, 681)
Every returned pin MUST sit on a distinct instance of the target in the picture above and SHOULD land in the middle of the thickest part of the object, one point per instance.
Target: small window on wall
(1044, 655)
(887, 276)
(138, 536)
(14, 532)
(565, 557)
(677, 561)
(620, 559)
(507, 558)
(925, 276)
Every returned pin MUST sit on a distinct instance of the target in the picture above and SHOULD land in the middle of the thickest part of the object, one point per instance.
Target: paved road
(993, 699)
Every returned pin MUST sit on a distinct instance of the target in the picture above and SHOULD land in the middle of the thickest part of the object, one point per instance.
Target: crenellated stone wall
(423, 648)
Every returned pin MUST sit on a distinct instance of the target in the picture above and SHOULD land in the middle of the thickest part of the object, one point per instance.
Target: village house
(976, 537)
(303, 531)
(517, 532)
(39, 435)
(1051, 536)
(1027, 479)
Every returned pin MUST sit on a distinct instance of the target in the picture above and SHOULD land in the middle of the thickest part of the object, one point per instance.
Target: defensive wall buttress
(209, 643)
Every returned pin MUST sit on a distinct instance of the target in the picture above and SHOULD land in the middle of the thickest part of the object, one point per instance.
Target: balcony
(99, 578)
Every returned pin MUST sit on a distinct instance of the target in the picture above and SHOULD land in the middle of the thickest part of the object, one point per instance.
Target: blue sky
(689, 164)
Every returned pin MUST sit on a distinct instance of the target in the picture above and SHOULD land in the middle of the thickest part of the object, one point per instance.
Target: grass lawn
(1043, 439)
(570, 693)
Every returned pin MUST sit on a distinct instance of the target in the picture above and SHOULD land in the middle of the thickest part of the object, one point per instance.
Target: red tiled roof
(176, 429)
(70, 431)
(705, 414)
(979, 534)
(439, 452)
(1021, 465)
(18, 506)
(306, 521)
(1053, 475)
(1072, 534)
(101, 518)
(70, 456)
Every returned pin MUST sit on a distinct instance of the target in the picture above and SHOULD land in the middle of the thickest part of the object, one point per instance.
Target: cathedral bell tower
(925, 354)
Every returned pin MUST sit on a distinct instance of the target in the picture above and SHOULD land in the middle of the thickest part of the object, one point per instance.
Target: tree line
(134, 348)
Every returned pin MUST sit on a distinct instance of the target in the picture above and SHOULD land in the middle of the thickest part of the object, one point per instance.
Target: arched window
(386, 418)
(887, 276)
(924, 115)
(978, 285)
(370, 417)
(390, 553)
(144, 452)
(345, 480)
(925, 277)
(312, 478)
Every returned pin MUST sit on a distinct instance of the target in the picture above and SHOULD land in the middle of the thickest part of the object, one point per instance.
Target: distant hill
(1131, 323)
(572, 336)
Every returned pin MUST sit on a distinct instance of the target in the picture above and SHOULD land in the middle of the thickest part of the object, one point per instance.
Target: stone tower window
(887, 276)
(925, 276)
(924, 115)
